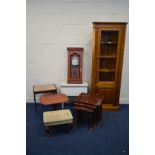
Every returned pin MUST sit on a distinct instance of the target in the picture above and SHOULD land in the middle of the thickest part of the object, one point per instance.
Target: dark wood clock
(75, 65)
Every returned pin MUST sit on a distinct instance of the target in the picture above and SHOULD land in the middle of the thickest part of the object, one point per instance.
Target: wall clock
(75, 65)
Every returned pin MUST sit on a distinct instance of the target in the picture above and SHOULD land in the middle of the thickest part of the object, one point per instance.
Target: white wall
(54, 25)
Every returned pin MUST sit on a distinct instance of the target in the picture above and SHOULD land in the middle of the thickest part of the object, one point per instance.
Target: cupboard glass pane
(107, 63)
(108, 43)
(109, 36)
(108, 49)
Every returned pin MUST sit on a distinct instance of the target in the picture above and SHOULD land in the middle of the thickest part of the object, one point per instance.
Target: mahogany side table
(89, 103)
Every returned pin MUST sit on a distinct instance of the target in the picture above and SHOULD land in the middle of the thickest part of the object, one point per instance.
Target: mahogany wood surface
(91, 103)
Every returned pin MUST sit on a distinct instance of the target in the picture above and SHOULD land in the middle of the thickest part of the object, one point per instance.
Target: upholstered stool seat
(57, 117)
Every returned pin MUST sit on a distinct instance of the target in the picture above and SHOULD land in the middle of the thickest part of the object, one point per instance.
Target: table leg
(94, 121)
(78, 117)
(62, 105)
(99, 115)
(35, 102)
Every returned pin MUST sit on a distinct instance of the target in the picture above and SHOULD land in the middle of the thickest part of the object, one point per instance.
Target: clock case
(75, 57)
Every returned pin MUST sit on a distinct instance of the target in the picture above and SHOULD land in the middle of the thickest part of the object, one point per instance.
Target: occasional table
(49, 99)
(89, 103)
(47, 88)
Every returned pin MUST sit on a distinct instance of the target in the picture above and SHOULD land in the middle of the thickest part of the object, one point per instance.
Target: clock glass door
(75, 68)
(74, 65)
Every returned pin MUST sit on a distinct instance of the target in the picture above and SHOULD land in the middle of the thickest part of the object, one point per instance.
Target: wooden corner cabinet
(107, 61)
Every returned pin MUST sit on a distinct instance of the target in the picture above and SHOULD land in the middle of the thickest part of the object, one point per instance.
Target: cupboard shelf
(107, 56)
(107, 70)
(108, 42)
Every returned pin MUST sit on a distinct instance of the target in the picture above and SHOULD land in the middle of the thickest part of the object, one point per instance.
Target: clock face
(75, 61)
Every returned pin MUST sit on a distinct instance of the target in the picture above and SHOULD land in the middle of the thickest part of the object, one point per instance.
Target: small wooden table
(89, 103)
(37, 89)
(50, 99)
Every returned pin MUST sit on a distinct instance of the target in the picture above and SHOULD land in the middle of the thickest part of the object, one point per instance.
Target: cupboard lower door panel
(109, 96)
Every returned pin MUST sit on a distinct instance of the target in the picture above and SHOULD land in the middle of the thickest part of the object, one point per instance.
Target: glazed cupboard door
(107, 58)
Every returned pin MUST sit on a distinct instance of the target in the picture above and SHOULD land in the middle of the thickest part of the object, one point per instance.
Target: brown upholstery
(53, 99)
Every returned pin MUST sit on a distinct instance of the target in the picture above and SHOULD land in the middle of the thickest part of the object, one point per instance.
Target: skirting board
(122, 100)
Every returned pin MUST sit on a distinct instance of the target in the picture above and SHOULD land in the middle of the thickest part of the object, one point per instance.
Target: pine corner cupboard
(107, 61)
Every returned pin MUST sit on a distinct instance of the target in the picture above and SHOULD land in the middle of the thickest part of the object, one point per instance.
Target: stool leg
(47, 131)
(70, 126)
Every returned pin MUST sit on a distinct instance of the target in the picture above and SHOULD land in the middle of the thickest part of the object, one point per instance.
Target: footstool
(57, 117)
